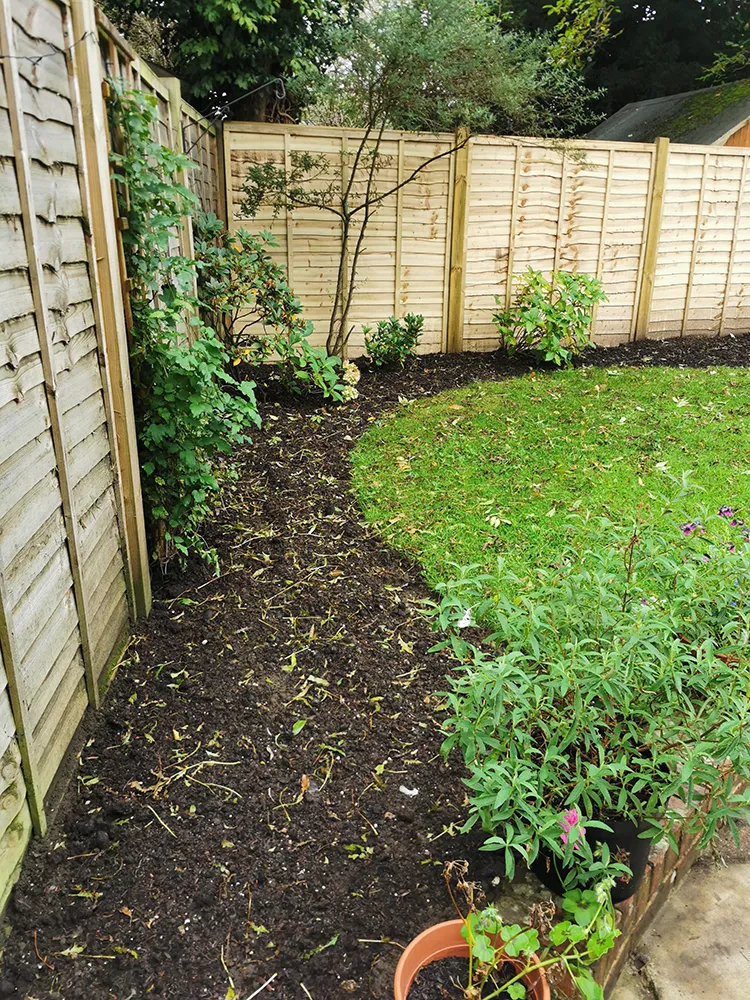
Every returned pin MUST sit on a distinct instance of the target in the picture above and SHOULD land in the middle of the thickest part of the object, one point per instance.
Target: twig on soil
(224, 964)
(359, 812)
(267, 983)
(383, 940)
(307, 992)
(249, 907)
(221, 576)
(42, 960)
(187, 774)
(167, 828)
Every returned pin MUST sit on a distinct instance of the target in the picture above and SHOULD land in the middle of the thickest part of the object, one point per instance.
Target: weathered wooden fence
(667, 229)
(73, 556)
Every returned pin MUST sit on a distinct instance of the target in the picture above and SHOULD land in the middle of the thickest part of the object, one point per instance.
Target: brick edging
(665, 870)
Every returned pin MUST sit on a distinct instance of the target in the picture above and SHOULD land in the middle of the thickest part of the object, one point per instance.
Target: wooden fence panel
(403, 267)
(72, 546)
(62, 573)
(35, 569)
(577, 206)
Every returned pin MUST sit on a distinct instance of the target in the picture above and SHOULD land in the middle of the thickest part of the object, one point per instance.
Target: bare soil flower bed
(236, 814)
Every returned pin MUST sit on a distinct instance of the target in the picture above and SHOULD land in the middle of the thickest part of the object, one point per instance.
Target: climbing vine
(190, 411)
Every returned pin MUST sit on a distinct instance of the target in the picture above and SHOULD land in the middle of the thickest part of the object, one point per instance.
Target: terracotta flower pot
(445, 941)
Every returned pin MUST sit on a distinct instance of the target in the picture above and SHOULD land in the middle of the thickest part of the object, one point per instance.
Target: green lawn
(496, 468)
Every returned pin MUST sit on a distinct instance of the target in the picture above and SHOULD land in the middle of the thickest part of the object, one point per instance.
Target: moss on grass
(497, 468)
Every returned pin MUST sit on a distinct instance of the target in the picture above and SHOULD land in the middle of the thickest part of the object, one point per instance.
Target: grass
(497, 468)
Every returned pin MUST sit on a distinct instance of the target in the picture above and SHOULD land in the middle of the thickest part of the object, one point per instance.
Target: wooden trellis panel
(200, 143)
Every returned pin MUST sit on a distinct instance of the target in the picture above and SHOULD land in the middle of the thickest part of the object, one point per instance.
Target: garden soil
(262, 799)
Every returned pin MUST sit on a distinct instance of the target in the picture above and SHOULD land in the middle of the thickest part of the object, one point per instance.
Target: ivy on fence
(190, 411)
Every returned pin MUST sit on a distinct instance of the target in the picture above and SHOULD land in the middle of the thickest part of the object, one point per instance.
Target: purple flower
(737, 522)
(690, 527)
(725, 511)
(731, 547)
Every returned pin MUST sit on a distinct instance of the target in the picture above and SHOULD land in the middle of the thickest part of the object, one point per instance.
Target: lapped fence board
(63, 605)
(578, 205)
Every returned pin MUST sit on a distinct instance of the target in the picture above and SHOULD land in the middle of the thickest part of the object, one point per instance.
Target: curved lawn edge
(496, 468)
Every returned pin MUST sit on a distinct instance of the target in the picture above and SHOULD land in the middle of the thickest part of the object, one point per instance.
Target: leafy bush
(550, 318)
(393, 341)
(244, 293)
(189, 410)
(621, 681)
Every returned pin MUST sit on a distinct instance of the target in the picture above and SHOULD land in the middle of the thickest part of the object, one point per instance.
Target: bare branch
(417, 170)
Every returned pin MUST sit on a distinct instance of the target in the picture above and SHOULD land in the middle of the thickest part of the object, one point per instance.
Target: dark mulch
(205, 843)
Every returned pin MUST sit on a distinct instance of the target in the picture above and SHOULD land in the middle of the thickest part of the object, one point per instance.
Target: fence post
(651, 252)
(457, 279)
(107, 277)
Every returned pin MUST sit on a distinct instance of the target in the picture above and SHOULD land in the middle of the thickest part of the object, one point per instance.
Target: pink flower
(570, 824)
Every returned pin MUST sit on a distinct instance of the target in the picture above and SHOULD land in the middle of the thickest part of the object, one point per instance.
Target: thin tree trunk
(333, 341)
(342, 333)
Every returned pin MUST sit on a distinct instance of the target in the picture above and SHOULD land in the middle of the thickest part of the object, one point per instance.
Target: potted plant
(613, 681)
(481, 957)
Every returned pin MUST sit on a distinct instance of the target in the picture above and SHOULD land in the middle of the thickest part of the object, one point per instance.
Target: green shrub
(393, 340)
(621, 681)
(244, 293)
(552, 318)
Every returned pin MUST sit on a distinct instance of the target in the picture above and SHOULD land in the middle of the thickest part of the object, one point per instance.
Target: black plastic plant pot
(624, 844)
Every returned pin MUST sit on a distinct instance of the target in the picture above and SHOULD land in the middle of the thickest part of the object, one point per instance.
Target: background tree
(653, 48)
(581, 26)
(733, 61)
(221, 49)
(431, 65)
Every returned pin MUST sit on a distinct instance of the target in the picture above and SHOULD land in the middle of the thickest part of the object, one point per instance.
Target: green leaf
(483, 949)
(590, 989)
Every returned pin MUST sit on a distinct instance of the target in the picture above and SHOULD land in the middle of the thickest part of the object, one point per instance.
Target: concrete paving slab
(699, 945)
(631, 986)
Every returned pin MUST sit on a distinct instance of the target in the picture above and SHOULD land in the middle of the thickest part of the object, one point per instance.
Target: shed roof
(704, 117)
